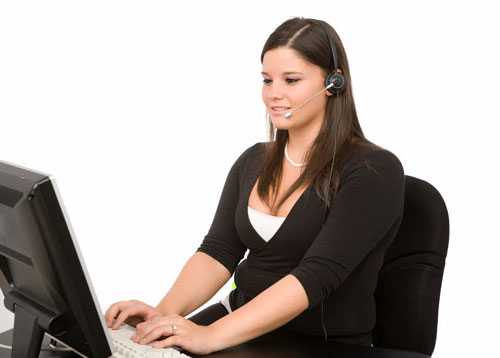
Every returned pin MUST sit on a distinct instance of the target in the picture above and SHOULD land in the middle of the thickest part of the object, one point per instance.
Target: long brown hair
(308, 39)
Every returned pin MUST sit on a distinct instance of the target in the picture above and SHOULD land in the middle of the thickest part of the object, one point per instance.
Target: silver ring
(173, 327)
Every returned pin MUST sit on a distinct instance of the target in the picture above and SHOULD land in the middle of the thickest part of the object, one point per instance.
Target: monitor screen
(42, 272)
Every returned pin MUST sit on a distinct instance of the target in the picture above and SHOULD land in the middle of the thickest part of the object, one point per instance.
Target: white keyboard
(126, 348)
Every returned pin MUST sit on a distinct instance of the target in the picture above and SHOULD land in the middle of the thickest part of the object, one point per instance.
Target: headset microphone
(288, 114)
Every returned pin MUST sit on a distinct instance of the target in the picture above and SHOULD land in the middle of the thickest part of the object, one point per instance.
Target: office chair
(409, 283)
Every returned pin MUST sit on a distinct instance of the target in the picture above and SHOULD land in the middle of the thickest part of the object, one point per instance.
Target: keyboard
(126, 348)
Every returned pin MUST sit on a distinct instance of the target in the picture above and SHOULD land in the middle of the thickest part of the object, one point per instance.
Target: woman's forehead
(285, 61)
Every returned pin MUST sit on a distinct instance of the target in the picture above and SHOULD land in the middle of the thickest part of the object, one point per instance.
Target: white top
(266, 225)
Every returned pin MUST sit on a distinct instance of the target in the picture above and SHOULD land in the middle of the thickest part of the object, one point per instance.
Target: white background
(140, 108)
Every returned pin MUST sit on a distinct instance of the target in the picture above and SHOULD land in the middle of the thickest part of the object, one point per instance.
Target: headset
(334, 81)
(335, 78)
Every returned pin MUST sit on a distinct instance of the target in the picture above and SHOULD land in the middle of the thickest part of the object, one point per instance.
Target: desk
(264, 349)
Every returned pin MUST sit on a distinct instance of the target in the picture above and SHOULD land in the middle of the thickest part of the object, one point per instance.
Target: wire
(331, 169)
(325, 332)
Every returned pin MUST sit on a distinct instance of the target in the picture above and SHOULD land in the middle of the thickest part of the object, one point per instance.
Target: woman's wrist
(215, 338)
(165, 311)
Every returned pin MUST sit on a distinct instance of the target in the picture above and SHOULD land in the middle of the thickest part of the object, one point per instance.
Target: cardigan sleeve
(369, 202)
(222, 241)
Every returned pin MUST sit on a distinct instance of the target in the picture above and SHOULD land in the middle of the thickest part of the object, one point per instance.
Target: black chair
(409, 284)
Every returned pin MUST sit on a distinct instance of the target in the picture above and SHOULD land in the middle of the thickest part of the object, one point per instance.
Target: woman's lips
(278, 110)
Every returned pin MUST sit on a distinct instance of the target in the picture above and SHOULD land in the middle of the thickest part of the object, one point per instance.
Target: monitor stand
(31, 321)
(46, 350)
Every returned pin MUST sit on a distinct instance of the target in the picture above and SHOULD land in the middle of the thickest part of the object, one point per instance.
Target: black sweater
(336, 261)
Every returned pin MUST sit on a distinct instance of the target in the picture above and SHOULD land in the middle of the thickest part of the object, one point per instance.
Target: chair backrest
(409, 284)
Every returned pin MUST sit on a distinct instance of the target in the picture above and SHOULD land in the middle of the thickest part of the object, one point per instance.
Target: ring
(173, 327)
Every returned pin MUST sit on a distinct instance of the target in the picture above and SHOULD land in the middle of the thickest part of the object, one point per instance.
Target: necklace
(290, 160)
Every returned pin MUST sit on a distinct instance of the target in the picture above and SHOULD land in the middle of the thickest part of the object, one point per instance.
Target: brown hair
(308, 39)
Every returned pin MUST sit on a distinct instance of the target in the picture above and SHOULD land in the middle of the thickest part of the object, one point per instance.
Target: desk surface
(263, 349)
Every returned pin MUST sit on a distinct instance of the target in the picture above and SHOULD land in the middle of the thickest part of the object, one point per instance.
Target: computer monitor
(42, 273)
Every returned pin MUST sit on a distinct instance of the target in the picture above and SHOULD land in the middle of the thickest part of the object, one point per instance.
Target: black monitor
(42, 273)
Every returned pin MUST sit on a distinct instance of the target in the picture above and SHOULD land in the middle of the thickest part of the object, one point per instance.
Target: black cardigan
(336, 261)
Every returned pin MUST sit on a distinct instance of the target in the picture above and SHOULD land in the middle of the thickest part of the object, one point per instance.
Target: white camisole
(266, 225)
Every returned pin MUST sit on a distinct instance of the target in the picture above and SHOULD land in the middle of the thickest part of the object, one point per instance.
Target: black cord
(325, 332)
(331, 171)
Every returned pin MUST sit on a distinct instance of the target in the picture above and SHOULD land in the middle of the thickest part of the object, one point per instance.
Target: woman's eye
(289, 80)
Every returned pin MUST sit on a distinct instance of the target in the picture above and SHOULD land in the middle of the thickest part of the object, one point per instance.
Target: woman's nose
(275, 91)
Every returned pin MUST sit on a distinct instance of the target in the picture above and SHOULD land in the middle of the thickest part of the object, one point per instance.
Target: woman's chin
(280, 121)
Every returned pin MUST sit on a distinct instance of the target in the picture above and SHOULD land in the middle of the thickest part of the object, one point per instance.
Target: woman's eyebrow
(285, 73)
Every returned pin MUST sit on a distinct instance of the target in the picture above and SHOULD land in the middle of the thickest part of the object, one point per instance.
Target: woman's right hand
(118, 312)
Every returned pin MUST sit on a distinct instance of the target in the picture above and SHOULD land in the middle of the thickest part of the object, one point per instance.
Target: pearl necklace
(290, 160)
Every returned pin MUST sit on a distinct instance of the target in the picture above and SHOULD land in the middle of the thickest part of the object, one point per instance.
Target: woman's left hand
(180, 332)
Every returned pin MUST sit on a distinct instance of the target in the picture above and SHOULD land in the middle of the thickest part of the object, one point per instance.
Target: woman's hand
(120, 311)
(174, 330)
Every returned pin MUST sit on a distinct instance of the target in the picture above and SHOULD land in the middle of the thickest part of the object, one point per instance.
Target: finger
(153, 335)
(107, 316)
(172, 341)
(124, 314)
(143, 329)
(112, 312)
(134, 320)
(108, 313)
(138, 328)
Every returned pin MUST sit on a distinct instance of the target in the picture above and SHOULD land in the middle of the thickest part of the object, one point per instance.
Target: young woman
(317, 206)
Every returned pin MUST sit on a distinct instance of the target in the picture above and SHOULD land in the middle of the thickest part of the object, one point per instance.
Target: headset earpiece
(337, 80)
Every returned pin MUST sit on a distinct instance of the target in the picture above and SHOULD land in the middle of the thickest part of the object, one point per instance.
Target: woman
(317, 206)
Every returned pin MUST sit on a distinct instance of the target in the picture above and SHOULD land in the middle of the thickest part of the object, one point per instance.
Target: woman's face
(288, 81)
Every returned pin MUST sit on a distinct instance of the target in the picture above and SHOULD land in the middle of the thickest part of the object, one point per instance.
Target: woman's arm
(269, 310)
(200, 279)
(216, 258)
